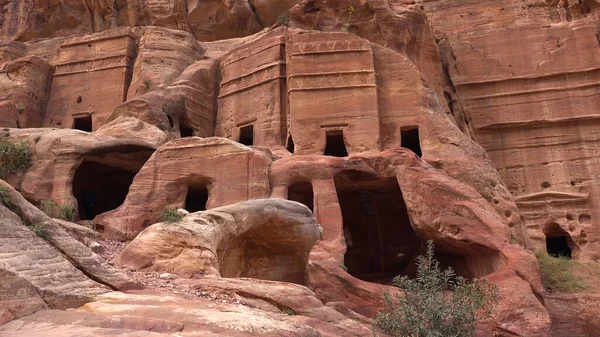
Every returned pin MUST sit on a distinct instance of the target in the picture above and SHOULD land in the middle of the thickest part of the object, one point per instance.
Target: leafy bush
(557, 275)
(66, 212)
(14, 156)
(437, 303)
(288, 311)
(283, 20)
(39, 230)
(48, 207)
(62, 211)
(5, 198)
(170, 215)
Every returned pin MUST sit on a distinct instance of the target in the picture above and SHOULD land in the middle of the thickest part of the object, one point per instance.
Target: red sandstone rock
(399, 25)
(161, 315)
(509, 85)
(18, 297)
(24, 87)
(36, 274)
(222, 19)
(266, 239)
(195, 169)
(531, 105)
(573, 314)
(162, 55)
(78, 254)
(57, 155)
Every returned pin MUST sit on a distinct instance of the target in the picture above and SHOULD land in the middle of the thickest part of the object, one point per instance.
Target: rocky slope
(394, 122)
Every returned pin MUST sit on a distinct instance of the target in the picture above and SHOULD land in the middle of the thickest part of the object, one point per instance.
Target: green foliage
(66, 212)
(170, 215)
(557, 273)
(344, 267)
(283, 20)
(20, 108)
(39, 230)
(14, 157)
(62, 211)
(437, 303)
(48, 207)
(5, 198)
(288, 311)
(351, 10)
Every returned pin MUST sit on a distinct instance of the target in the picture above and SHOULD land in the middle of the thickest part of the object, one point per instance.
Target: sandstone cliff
(394, 122)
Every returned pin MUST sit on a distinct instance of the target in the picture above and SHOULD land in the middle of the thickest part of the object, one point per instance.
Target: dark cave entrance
(334, 144)
(558, 242)
(290, 145)
(83, 123)
(185, 131)
(196, 199)
(409, 138)
(247, 135)
(100, 188)
(558, 246)
(381, 242)
(302, 193)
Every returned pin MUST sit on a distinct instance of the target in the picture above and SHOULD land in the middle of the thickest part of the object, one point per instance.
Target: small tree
(437, 303)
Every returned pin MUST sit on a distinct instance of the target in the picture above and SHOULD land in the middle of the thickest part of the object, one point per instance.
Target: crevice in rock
(92, 21)
(255, 14)
(537, 295)
(455, 108)
(79, 266)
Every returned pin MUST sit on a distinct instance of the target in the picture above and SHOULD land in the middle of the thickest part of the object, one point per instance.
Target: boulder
(265, 239)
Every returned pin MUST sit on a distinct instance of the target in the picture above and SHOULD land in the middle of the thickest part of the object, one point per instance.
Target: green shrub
(5, 198)
(39, 230)
(344, 267)
(14, 156)
(557, 273)
(437, 303)
(62, 211)
(48, 207)
(170, 215)
(283, 20)
(288, 311)
(66, 212)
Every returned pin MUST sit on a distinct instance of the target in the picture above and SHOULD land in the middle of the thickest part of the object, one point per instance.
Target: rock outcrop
(266, 239)
(394, 122)
(163, 315)
(531, 105)
(190, 173)
(66, 246)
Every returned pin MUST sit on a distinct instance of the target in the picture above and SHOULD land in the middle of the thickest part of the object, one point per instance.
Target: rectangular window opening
(83, 123)
(335, 145)
(409, 138)
(247, 135)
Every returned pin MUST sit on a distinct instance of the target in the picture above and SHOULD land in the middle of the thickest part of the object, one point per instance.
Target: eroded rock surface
(266, 239)
(184, 167)
(164, 315)
(470, 123)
